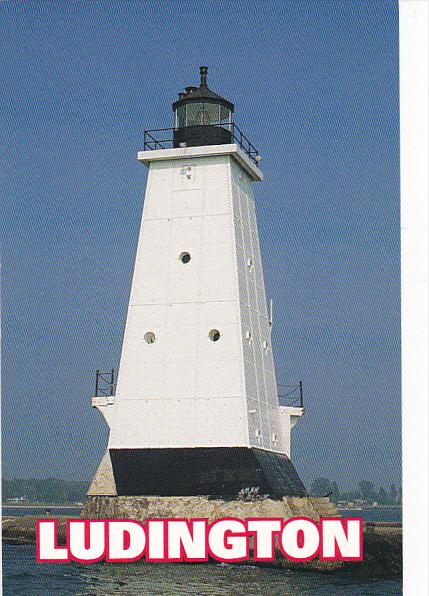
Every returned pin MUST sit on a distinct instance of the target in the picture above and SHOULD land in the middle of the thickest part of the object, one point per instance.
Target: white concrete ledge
(207, 150)
(292, 410)
(102, 400)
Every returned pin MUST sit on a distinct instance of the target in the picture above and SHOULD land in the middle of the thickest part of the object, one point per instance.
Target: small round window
(185, 257)
(214, 335)
(149, 337)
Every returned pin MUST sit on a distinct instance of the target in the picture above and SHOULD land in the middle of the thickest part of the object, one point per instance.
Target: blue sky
(315, 85)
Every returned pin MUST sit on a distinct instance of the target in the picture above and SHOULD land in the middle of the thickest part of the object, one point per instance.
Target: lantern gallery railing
(165, 138)
(104, 383)
(291, 395)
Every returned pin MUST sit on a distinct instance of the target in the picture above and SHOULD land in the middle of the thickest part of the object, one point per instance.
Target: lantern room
(201, 117)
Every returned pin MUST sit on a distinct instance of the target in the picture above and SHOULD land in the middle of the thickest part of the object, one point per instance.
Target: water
(24, 577)
(12, 510)
(381, 514)
(393, 514)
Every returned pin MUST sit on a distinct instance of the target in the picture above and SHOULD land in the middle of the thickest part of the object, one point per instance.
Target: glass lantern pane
(180, 117)
(211, 113)
(194, 114)
(225, 115)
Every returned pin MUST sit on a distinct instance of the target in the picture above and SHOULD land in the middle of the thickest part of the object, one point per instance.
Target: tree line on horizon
(46, 490)
(365, 491)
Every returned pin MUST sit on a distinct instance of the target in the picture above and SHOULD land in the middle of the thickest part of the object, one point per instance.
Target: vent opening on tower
(149, 337)
(214, 334)
(184, 257)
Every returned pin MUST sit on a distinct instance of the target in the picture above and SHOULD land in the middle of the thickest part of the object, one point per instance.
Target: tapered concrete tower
(196, 410)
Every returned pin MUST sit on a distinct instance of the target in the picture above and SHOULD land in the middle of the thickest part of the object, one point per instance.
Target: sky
(315, 88)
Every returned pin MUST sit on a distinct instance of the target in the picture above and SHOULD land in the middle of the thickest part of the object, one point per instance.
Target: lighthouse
(195, 408)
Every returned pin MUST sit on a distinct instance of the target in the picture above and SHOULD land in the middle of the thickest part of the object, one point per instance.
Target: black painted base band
(221, 471)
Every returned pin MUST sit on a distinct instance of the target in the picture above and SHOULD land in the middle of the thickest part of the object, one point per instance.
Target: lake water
(370, 514)
(57, 510)
(22, 576)
(381, 514)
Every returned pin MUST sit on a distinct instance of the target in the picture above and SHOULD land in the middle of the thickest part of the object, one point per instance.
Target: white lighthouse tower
(196, 410)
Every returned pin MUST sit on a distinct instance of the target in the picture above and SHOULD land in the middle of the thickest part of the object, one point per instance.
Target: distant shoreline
(47, 506)
(366, 507)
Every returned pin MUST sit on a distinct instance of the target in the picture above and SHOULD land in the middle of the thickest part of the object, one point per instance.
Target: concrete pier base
(141, 508)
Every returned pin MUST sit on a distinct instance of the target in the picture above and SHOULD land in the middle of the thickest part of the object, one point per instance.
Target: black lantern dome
(201, 117)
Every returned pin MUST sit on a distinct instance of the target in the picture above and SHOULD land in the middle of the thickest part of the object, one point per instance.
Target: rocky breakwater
(382, 540)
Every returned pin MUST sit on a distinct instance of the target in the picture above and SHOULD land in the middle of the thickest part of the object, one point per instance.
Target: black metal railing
(291, 395)
(104, 383)
(163, 138)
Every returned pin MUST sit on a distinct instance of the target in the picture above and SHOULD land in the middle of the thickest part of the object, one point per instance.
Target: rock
(22, 529)
(140, 508)
(382, 541)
